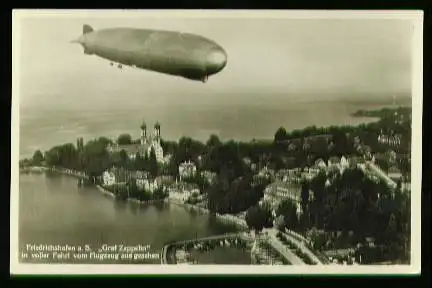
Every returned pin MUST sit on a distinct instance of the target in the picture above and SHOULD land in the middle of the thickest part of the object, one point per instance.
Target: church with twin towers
(147, 143)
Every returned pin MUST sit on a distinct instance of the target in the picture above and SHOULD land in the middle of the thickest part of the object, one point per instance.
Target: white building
(183, 193)
(108, 178)
(320, 164)
(115, 176)
(146, 183)
(275, 193)
(187, 169)
(392, 140)
(209, 176)
(150, 185)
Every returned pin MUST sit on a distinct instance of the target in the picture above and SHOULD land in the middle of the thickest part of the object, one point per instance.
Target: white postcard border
(416, 17)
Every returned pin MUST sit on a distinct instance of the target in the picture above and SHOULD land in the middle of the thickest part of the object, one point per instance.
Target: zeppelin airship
(174, 53)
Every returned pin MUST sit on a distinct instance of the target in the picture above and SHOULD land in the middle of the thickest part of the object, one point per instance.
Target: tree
(213, 141)
(124, 139)
(215, 196)
(37, 158)
(399, 184)
(305, 195)
(255, 218)
(317, 237)
(124, 158)
(153, 165)
(280, 135)
(104, 141)
(119, 159)
(280, 223)
(391, 227)
(159, 193)
(133, 189)
(288, 210)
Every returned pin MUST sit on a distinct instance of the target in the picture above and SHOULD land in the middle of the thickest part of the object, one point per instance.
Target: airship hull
(182, 54)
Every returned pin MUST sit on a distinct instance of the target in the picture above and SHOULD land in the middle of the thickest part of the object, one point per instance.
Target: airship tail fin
(87, 29)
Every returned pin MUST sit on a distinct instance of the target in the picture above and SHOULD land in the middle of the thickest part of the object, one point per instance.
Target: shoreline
(132, 200)
(240, 223)
(225, 218)
(41, 169)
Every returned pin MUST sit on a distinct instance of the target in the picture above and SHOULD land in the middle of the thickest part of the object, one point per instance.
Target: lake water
(43, 128)
(54, 210)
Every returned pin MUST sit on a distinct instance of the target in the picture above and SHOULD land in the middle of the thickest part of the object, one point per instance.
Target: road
(304, 248)
(381, 173)
(273, 232)
(283, 250)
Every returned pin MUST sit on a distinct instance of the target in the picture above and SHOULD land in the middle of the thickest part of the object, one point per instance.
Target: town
(345, 189)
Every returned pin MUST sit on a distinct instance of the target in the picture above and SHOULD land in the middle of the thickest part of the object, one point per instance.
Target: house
(150, 185)
(144, 148)
(392, 140)
(309, 173)
(292, 147)
(355, 160)
(394, 173)
(320, 164)
(165, 180)
(278, 191)
(333, 161)
(209, 176)
(115, 176)
(294, 144)
(141, 178)
(187, 170)
(344, 162)
(247, 161)
(183, 192)
(167, 158)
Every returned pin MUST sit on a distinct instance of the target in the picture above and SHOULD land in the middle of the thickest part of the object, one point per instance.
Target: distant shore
(380, 113)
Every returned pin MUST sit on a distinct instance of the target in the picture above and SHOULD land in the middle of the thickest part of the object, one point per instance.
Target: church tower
(143, 133)
(156, 132)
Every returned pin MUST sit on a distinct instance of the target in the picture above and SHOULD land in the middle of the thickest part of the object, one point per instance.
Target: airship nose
(216, 60)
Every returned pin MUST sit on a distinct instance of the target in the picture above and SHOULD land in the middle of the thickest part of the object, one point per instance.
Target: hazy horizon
(271, 62)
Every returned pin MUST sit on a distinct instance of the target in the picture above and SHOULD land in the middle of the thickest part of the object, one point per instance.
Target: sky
(269, 60)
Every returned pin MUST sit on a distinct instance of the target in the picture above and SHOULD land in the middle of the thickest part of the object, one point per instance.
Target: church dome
(143, 125)
(157, 125)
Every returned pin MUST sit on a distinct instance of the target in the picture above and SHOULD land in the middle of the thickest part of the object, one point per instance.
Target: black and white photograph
(216, 142)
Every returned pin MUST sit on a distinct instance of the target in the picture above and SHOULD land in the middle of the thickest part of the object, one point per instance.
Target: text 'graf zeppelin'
(81, 253)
